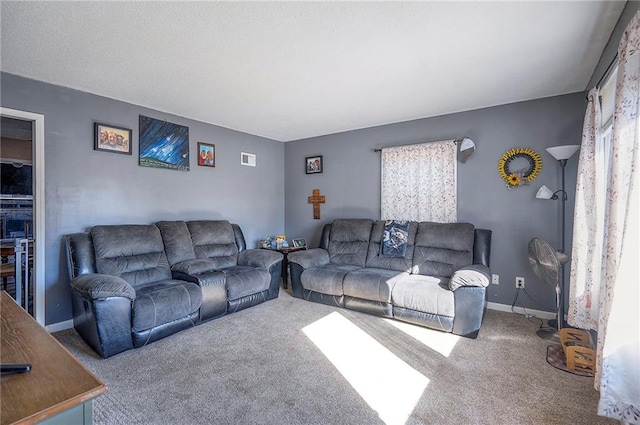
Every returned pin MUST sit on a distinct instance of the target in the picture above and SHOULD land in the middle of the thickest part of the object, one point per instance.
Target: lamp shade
(563, 152)
(467, 144)
(544, 193)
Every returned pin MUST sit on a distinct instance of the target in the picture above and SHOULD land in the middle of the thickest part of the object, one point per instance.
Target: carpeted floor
(290, 361)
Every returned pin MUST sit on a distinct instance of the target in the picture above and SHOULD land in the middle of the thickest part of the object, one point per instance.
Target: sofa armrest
(309, 258)
(193, 267)
(469, 310)
(101, 286)
(477, 275)
(102, 307)
(212, 283)
(263, 258)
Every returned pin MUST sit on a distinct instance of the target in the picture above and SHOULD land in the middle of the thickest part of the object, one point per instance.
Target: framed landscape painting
(163, 144)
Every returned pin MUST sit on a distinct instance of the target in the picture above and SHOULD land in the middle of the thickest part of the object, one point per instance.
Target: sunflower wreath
(519, 177)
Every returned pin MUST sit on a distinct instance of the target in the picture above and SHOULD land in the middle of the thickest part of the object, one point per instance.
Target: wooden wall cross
(316, 199)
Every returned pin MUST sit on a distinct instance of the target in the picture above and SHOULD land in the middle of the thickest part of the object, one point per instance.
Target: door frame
(37, 121)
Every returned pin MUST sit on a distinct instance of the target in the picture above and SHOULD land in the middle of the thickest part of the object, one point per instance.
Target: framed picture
(109, 138)
(313, 164)
(206, 154)
(163, 144)
(299, 243)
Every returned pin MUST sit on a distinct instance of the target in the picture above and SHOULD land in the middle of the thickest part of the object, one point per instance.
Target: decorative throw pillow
(394, 238)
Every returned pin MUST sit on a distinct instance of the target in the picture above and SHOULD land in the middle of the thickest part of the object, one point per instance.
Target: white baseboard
(60, 326)
(521, 310)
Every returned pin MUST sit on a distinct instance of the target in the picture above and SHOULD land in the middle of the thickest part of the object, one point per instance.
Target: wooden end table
(285, 263)
(57, 390)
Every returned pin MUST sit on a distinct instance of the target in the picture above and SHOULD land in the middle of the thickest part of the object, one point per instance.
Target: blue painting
(163, 145)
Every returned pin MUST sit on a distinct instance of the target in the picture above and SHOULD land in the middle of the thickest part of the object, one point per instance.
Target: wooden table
(285, 262)
(58, 388)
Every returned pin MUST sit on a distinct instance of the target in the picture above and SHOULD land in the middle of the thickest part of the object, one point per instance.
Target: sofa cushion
(161, 302)
(349, 241)
(326, 279)
(374, 259)
(133, 252)
(442, 248)
(242, 281)
(214, 239)
(425, 294)
(177, 241)
(372, 284)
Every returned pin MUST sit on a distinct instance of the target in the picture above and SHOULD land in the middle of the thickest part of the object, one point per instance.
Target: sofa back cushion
(349, 241)
(442, 248)
(214, 239)
(377, 260)
(177, 241)
(134, 252)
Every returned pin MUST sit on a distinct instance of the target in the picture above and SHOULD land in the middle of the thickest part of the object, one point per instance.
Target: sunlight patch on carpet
(438, 341)
(386, 383)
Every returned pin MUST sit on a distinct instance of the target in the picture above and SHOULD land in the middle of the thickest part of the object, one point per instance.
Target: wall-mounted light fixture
(466, 148)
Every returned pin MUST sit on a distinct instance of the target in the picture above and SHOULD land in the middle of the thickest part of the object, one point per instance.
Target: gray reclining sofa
(135, 284)
(438, 279)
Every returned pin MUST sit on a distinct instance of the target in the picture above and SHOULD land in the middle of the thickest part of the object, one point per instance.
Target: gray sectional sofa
(135, 284)
(437, 280)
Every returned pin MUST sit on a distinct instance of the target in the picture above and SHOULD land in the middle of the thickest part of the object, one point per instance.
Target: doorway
(22, 208)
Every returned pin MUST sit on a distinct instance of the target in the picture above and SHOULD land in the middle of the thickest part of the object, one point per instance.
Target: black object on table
(285, 263)
(11, 368)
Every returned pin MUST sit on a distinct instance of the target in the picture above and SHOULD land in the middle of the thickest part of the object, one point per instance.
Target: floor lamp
(561, 154)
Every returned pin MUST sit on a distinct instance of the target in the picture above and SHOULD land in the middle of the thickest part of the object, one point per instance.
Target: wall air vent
(248, 159)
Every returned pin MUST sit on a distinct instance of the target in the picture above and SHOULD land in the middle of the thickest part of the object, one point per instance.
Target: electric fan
(547, 265)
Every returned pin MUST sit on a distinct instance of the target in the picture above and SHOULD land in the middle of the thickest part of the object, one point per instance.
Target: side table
(285, 263)
(57, 390)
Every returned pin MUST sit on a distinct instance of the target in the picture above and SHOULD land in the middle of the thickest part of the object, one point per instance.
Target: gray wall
(86, 187)
(351, 181)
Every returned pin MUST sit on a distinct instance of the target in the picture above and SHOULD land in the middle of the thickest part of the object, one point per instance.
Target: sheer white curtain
(604, 288)
(620, 302)
(588, 220)
(419, 182)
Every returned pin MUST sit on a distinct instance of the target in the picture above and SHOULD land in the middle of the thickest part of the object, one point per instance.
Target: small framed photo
(206, 154)
(313, 164)
(299, 243)
(109, 138)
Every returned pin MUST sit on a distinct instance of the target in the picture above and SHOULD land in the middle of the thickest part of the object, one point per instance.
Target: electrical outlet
(519, 282)
(495, 279)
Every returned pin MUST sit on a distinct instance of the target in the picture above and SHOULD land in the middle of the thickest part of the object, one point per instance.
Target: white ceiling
(293, 70)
